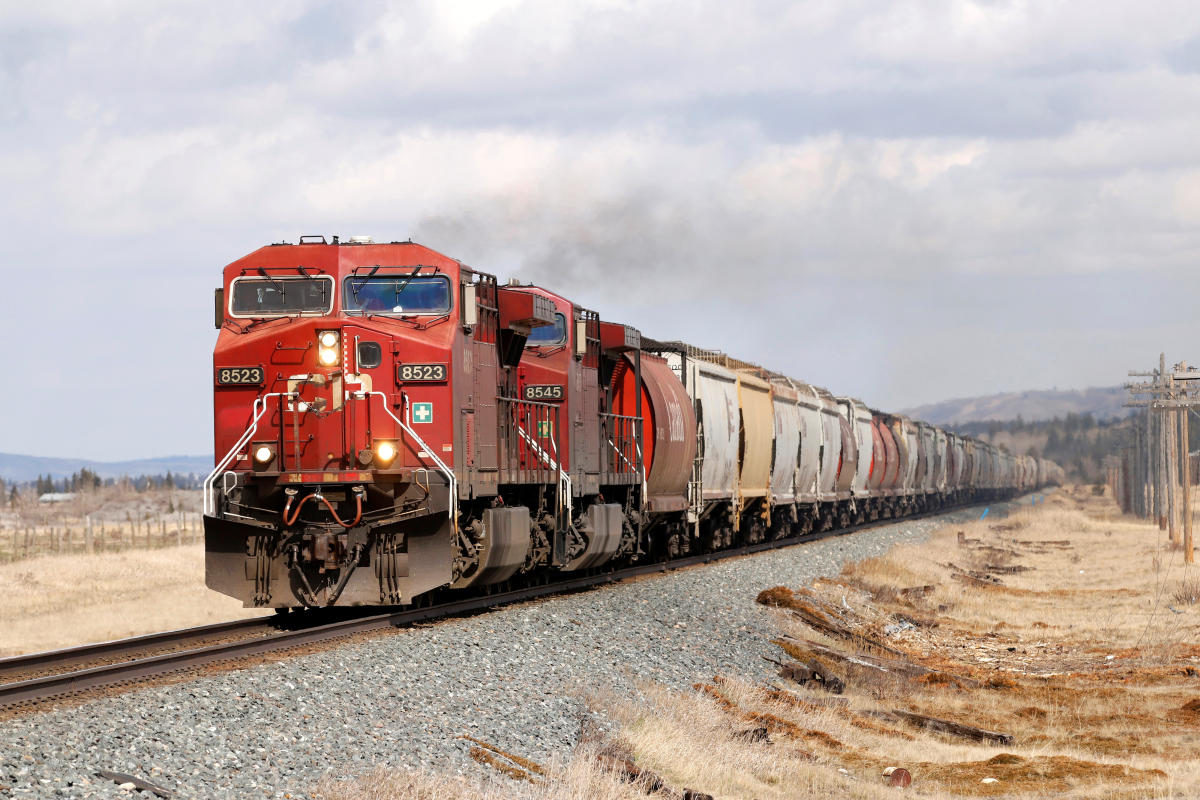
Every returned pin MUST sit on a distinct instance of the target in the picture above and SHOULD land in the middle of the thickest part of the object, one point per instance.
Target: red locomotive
(389, 421)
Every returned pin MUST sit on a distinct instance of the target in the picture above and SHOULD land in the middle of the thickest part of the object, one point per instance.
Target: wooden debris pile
(612, 758)
(619, 762)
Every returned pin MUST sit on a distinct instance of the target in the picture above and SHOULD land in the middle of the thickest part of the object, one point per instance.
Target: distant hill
(19, 468)
(1103, 403)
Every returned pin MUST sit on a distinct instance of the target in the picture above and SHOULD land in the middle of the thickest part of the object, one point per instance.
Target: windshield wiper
(361, 283)
(278, 286)
(400, 287)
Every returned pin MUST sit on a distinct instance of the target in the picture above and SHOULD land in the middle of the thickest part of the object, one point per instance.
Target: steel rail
(96, 650)
(108, 675)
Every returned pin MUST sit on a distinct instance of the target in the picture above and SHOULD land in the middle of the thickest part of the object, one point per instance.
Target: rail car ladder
(696, 484)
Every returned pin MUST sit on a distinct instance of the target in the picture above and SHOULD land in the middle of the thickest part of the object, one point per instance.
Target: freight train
(390, 422)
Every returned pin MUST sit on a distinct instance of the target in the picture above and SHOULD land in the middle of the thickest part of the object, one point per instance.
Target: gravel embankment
(515, 678)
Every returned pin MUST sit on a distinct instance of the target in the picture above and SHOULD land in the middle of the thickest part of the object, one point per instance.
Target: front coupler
(267, 567)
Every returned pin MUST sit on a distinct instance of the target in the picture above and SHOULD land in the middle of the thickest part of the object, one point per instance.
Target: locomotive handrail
(208, 487)
(645, 488)
(638, 469)
(564, 486)
(623, 457)
(565, 492)
(427, 450)
(564, 480)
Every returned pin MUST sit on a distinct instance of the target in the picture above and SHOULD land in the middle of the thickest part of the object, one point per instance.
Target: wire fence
(85, 535)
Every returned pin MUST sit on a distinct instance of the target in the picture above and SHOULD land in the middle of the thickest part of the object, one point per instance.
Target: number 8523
(235, 376)
(421, 372)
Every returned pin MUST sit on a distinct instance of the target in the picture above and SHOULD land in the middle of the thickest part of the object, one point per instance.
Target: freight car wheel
(678, 541)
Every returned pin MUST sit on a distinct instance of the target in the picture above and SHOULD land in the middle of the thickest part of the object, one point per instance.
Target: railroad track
(54, 674)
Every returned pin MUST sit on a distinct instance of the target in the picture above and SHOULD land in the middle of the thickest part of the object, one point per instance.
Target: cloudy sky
(902, 201)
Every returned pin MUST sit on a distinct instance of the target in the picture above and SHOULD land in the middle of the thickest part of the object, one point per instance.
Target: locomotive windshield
(396, 294)
(268, 296)
(548, 334)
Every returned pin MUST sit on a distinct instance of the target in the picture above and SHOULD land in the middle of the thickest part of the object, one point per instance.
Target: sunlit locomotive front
(334, 405)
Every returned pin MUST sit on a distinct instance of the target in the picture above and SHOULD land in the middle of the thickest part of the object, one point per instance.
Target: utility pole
(1189, 555)
(1166, 482)
(1154, 498)
(1170, 452)
(1173, 392)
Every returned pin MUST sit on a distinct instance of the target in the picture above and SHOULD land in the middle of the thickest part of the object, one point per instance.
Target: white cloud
(632, 154)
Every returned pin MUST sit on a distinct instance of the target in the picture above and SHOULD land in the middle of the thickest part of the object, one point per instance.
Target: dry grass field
(110, 562)
(53, 601)
(1057, 653)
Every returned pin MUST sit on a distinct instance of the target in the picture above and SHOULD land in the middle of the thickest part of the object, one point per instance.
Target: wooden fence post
(1189, 555)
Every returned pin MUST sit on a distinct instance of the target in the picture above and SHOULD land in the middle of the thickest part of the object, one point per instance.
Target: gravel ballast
(515, 677)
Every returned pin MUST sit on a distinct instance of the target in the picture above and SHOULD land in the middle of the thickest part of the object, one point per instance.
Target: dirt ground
(1055, 653)
(54, 601)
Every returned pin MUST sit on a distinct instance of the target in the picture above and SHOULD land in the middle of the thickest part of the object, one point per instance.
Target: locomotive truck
(389, 422)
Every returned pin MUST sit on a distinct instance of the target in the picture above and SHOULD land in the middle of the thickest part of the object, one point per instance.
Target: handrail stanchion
(208, 487)
(451, 478)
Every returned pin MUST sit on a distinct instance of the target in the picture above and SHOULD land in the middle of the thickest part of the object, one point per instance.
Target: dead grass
(585, 775)
(61, 600)
(1187, 591)
(1066, 626)
(1062, 625)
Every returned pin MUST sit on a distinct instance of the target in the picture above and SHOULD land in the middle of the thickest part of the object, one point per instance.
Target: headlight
(263, 455)
(385, 452)
(328, 348)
